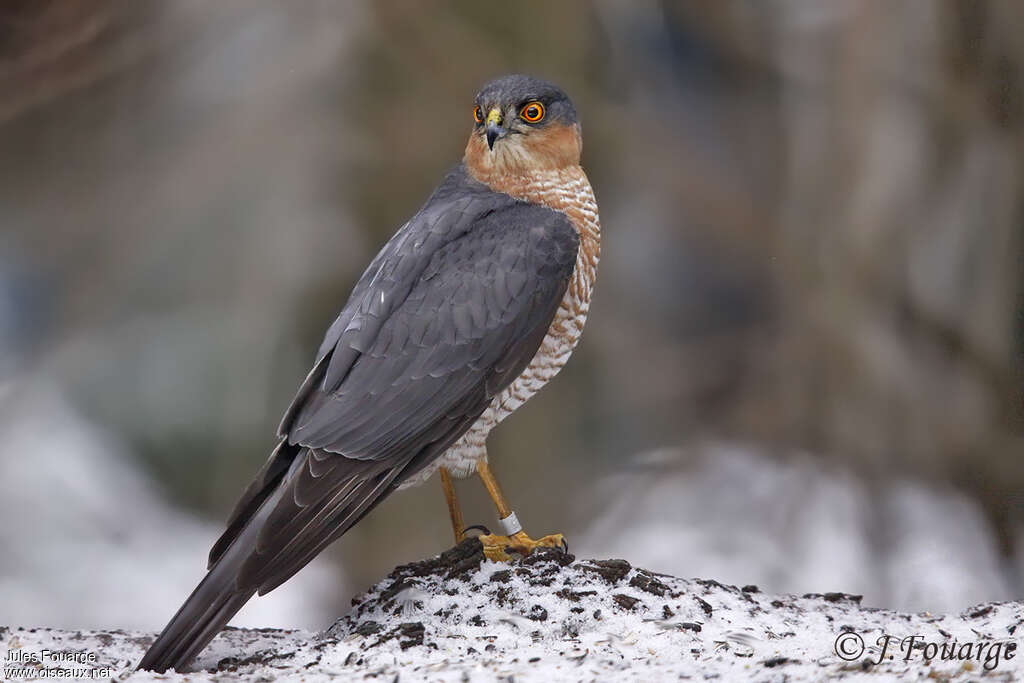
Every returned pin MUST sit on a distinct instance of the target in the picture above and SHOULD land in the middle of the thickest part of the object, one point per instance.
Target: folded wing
(406, 370)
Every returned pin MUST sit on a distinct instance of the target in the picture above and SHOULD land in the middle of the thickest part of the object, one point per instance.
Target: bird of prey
(473, 305)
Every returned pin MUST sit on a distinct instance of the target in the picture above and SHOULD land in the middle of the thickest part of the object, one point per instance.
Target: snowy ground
(459, 617)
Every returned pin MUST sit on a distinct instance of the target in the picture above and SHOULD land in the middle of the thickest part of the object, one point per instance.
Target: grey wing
(450, 213)
(386, 283)
(467, 327)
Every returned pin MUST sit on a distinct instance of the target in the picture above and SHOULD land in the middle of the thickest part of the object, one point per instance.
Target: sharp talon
(516, 546)
(565, 546)
(478, 527)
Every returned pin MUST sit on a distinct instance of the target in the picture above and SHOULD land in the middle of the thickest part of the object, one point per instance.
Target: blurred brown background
(812, 281)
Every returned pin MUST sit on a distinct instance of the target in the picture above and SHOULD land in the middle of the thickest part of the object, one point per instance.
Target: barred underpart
(566, 190)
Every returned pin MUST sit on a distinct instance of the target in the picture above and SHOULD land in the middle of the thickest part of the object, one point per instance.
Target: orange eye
(478, 115)
(532, 112)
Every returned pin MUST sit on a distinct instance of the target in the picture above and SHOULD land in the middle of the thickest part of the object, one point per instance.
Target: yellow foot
(506, 548)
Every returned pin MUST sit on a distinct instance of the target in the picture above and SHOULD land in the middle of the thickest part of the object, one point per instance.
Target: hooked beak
(494, 129)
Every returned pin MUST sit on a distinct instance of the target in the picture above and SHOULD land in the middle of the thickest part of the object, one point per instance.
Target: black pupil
(532, 111)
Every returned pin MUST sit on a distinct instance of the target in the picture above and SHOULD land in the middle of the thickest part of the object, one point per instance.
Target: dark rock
(611, 571)
(553, 555)
(625, 601)
(262, 657)
(414, 631)
(778, 661)
(503, 596)
(503, 576)
(649, 584)
(466, 556)
(711, 583)
(368, 628)
(573, 596)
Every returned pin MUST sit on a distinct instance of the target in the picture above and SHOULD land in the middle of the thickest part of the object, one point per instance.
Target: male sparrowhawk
(470, 308)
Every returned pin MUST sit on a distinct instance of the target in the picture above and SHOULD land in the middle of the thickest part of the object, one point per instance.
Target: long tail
(216, 599)
(240, 568)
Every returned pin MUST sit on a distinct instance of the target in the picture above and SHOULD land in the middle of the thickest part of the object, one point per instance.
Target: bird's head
(522, 125)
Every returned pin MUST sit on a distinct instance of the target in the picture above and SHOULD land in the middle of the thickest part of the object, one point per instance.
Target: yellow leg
(491, 484)
(501, 548)
(454, 511)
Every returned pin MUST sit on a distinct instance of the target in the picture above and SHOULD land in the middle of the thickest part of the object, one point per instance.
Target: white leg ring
(510, 524)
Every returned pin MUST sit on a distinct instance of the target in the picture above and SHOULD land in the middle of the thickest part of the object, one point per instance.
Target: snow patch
(459, 617)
